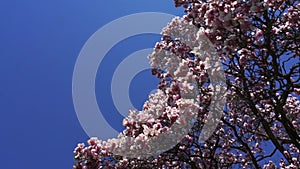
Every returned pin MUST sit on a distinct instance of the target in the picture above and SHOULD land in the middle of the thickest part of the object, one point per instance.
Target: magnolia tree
(258, 126)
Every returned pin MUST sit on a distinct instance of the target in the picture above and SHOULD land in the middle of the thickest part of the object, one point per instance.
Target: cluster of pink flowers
(168, 114)
(258, 43)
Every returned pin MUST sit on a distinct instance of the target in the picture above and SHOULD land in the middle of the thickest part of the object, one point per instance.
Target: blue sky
(39, 44)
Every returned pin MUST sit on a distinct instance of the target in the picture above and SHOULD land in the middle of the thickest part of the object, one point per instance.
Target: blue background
(39, 44)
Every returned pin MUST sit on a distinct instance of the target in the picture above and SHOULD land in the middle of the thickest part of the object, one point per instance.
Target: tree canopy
(240, 55)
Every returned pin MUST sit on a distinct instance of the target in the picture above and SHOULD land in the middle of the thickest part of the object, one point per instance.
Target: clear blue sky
(39, 45)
